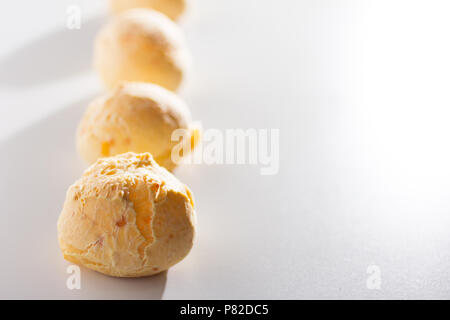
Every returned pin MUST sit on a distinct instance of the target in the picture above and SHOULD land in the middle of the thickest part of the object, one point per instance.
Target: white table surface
(360, 93)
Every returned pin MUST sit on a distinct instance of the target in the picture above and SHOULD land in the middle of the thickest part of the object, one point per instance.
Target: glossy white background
(359, 91)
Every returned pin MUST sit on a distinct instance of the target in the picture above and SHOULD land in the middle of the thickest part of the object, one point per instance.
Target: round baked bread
(127, 217)
(141, 45)
(171, 8)
(137, 117)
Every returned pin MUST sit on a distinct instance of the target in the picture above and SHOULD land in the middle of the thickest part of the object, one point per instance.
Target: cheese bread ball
(171, 8)
(138, 117)
(127, 217)
(141, 45)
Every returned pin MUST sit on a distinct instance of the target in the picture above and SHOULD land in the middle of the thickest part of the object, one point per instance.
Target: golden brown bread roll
(171, 8)
(141, 45)
(138, 117)
(127, 217)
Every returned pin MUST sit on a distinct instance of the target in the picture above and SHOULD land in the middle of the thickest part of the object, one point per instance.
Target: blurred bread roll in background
(141, 45)
(171, 8)
(137, 117)
(127, 217)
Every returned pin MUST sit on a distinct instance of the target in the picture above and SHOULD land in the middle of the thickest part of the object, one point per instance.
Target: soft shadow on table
(98, 286)
(38, 164)
(60, 54)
